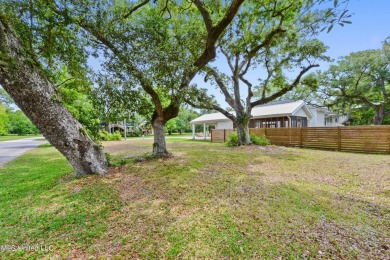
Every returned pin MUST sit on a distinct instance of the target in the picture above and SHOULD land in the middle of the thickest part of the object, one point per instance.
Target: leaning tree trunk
(159, 145)
(379, 115)
(22, 78)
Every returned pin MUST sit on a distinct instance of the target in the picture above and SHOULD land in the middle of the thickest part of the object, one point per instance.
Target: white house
(276, 114)
(324, 117)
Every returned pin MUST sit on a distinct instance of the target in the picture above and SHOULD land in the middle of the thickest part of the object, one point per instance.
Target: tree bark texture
(242, 127)
(159, 145)
(379, 115)
(159, 118)
(22, 77)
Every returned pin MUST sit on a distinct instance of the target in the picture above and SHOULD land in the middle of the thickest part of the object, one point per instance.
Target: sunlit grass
(208, 201)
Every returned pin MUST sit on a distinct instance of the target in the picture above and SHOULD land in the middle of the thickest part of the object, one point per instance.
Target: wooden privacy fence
(367, 139)
(220, 135)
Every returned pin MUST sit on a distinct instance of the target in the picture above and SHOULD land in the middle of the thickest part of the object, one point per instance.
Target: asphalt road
(9, 150)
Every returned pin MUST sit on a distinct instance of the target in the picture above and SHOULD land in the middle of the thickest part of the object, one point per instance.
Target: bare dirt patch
(335, 239)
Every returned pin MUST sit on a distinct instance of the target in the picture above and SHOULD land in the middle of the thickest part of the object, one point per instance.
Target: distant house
(278, 114)
(324, 117)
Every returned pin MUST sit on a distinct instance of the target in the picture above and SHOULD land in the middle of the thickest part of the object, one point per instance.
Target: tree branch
(229, 99)
(135, 8)
(284, 90)
(205, 15)
(212, 36)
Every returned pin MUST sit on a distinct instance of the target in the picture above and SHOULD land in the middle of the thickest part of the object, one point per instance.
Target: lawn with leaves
(207, 201)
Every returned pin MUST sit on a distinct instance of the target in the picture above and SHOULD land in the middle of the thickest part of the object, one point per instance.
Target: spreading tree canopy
(361, 79)
(276, 41)
(157, 45)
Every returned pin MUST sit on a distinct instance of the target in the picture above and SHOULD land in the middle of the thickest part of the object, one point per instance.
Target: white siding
(313, 122)
(320, 119)
(301, 113)
(224, 125)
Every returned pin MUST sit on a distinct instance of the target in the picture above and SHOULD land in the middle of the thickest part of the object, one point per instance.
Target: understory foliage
(4, 120)
(256, 140)
(15, 122)
(106, 136)
(259, 140)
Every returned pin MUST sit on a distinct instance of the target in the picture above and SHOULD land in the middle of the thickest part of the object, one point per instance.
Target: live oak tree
(159, 45)
(361, 79)
(274, 39)
(25, 75)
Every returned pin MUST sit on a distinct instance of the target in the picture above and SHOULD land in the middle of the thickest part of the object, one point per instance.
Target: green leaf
(330, 28)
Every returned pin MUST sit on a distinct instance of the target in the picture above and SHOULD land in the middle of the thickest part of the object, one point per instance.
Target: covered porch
(278, 122)
(215, 120)
(204, 134)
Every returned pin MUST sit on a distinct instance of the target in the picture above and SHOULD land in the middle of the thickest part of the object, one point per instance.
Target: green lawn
(208, 201)
(16, 137)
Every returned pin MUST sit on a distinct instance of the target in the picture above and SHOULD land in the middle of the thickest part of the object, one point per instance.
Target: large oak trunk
(22, 78)
(379, 115)
(159, 145)
(242, 126)
(243, 133)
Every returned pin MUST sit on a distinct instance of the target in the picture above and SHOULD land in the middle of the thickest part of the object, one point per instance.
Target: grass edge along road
(208, 201)
(4, 138)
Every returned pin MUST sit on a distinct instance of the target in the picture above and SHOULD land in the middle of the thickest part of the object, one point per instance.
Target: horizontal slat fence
(220, 135)
(320, 137)
(257, 131)
(366, 139)
(284, 136)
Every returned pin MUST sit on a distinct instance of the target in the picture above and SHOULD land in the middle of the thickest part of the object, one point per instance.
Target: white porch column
(193, 131)
(125, 127)
(204, 131)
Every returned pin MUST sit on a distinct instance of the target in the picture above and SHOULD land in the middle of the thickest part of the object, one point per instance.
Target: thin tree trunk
(22, 78)
(159, 145)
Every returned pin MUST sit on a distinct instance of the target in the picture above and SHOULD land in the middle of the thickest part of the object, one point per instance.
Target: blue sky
(370, 26)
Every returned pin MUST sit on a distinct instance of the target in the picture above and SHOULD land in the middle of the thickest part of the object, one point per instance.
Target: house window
(304, 122)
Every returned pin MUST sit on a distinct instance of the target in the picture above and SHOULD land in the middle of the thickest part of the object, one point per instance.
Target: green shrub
(106, 136)
(232, 140)
(259, 140)
(117, 136)
(112, 161)
(134, 133)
